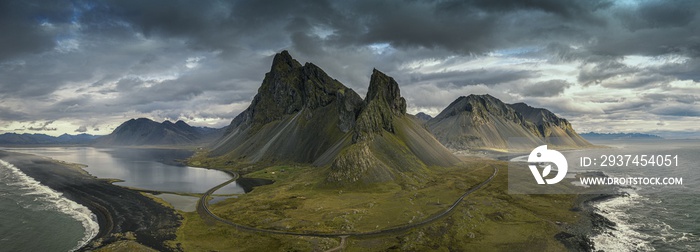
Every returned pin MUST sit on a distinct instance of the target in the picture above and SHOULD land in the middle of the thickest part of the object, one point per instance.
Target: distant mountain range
(483, 121)
(618, 136)
(144, 131)
(423, 117)
(134, 132)
(301, 115)
(43, 139)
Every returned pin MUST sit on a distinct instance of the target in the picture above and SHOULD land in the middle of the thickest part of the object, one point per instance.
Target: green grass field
(488, 220)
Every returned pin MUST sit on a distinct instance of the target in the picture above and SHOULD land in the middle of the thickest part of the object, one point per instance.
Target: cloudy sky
(87, 66)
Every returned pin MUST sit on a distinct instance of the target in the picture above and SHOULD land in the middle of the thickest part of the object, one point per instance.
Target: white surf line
(69, 207)
(623, 237)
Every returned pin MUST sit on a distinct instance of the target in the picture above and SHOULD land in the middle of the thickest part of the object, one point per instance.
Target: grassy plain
(490, 219)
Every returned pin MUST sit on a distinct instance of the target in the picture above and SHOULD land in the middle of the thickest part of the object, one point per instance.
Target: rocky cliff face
(290, 87)
(302, 115)
(550, 126)
(481, 108)
(483, 121)
(386, 141)
(298, 113)
(383, 103)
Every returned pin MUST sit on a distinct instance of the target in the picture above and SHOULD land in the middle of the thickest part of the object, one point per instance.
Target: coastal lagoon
(33, 211)
(148, 169)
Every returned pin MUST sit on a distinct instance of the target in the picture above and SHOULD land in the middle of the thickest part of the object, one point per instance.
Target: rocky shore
(577, 236)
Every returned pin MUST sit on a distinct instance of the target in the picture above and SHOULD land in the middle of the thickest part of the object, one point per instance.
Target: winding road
(204, 211)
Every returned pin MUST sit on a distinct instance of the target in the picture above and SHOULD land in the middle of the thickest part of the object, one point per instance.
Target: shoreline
(122, 214)
(579, 236)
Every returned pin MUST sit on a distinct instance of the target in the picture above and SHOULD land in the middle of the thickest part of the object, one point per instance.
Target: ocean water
(35, 218)
(653, 218)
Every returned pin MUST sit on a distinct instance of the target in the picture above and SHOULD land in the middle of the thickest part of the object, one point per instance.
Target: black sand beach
(119, 210)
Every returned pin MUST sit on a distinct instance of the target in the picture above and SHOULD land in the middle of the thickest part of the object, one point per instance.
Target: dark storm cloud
(87, 59)
(677, 110)
(598, 72)
(474, 77)
(660, 14)
(623, 107)
(21, 26)
(684, 71)
(681, 98)
(459, 26)
(548, 88)
(662, 104)
(652, 28)
(10, 114)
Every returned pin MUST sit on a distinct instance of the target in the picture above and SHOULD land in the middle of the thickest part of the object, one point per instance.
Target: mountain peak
(383, 103)
(181, 123)
(423, 116)
(538, 116)
(284, 62)
(475, 98)
(385, 88)
(141, 119)
(144, 131)
(479, 106)
(302, 115)
(290, 88)
(477, 121)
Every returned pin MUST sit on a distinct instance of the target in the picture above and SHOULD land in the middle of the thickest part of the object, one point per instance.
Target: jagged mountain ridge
(553, 129)
(143, 131)
(386, 140)
(483, 121)
(302, 115)
(298, 113)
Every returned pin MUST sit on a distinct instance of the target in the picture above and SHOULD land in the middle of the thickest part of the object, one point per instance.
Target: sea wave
(57, 202)
(624, 237)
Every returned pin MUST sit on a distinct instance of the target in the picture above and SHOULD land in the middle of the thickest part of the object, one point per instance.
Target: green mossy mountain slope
(301, 115)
